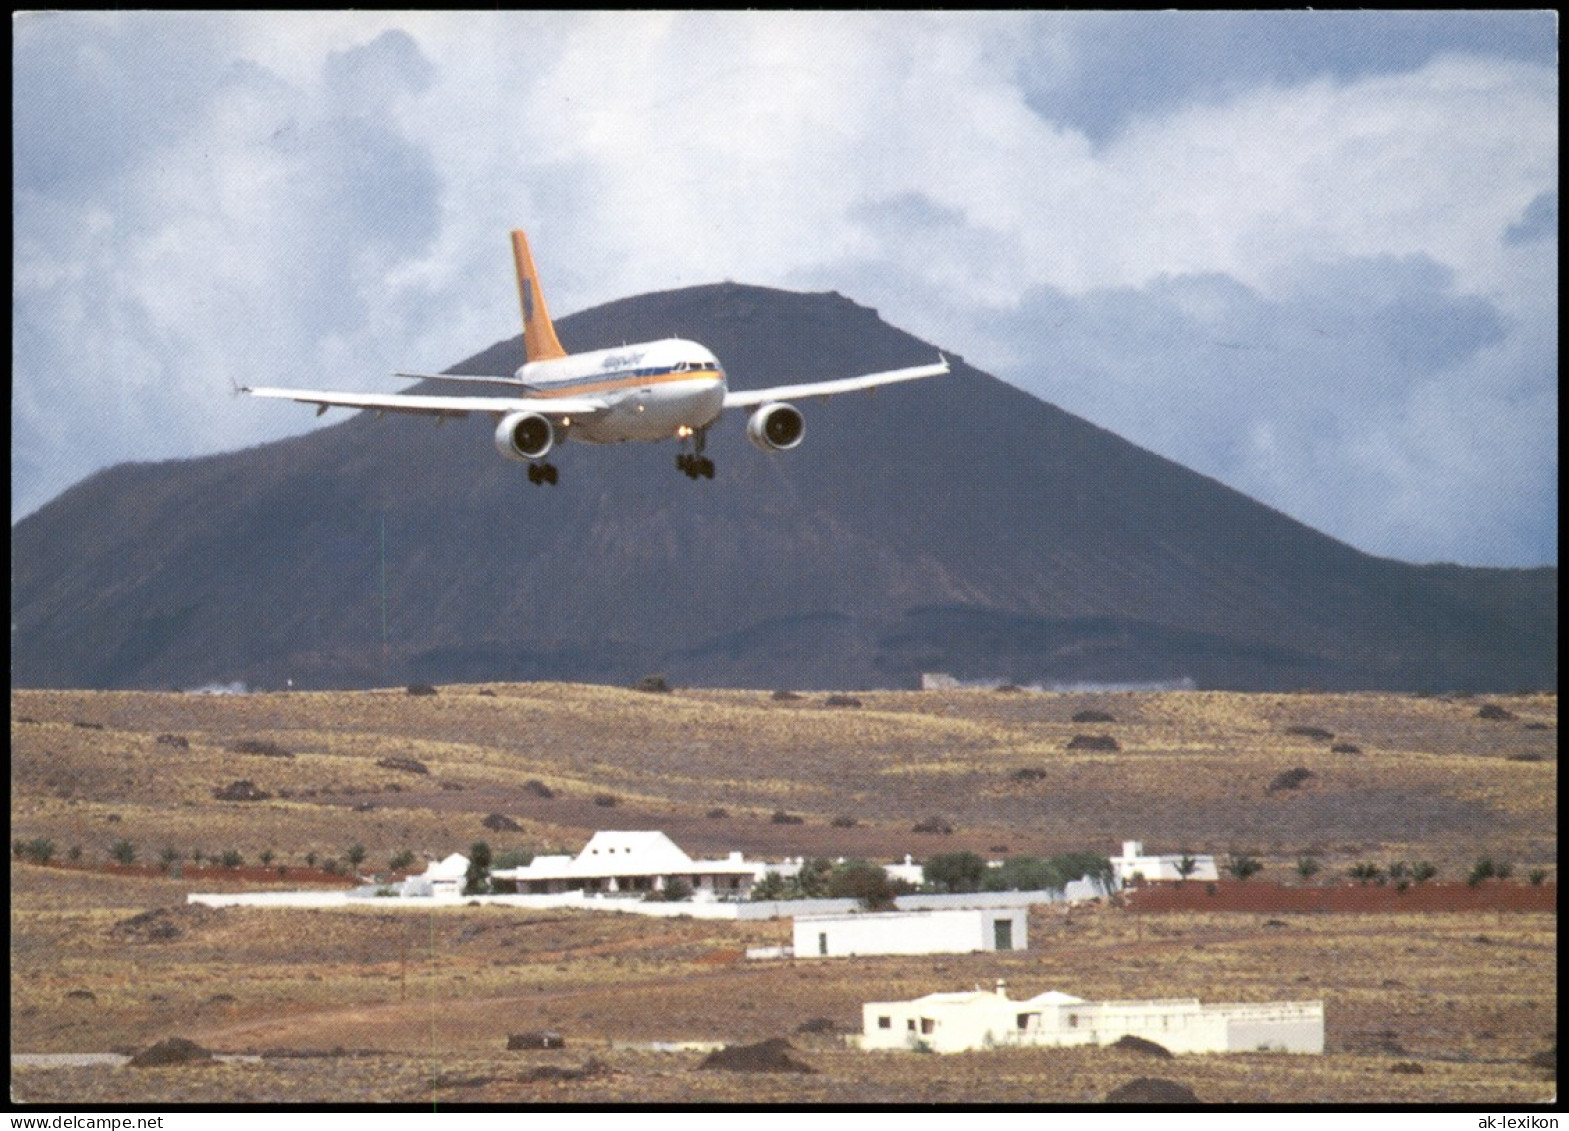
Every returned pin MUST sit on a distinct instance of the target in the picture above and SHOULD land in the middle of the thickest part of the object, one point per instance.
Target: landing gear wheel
(695, 466)
(542, 473)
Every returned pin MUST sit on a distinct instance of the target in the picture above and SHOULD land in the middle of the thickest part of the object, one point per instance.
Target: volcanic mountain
(955, 525)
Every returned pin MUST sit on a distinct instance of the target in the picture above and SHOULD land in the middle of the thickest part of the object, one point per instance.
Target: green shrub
(476, 881)
(123, 852)
(1243, 866)
(955, 872)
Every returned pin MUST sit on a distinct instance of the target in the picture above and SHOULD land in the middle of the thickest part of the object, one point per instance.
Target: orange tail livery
(539, 336)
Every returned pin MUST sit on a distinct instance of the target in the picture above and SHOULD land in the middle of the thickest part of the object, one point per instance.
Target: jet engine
(775, 427)
(525, 436)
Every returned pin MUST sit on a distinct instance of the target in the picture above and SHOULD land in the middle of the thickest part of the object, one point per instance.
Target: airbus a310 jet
(669, 389)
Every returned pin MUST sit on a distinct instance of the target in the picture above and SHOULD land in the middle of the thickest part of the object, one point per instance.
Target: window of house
(927, 1025)
(885, 1022)
(1073, 1020)
(1024, 1020)
(910, 1024)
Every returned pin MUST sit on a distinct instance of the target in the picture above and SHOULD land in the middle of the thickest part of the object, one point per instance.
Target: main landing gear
(695, 463)
(695, 466)
(542, 473)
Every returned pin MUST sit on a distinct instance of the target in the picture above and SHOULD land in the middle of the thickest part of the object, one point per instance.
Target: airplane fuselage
(656, 390)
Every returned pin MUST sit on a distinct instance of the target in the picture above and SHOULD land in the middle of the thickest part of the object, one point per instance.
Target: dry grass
(1469, 997)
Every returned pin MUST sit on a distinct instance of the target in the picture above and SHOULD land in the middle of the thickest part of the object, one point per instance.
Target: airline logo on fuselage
(621, 361)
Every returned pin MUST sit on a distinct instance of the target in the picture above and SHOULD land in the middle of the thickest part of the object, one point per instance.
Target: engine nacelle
(776, 427)
(525, 436)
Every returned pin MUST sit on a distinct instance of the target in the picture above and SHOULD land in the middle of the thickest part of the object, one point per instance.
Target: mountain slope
(955, 524)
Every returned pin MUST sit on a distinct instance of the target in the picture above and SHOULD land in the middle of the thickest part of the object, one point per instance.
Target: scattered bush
(772, 1055)
(1290, 779)
(605, 801)
(1243, 866)
(38, 851)
(1494, 711)
(786, 697)
(231, 859)
(1027, 774)
(1152, 1090)
(262, 747)
(1094, 717)
(407, 765)
(538, 789)
(654, 684)
(1345, 748)
(421, 689)
(1538, 877)
(500, 823)
(1483, 869)
(1311, 732)
(780, 817)
(354, 854)
(178, 741)
(717, 813)
(123, 852)
(1130, 1043)
(934, 825)
(1093, 742)
(400, 861)
(240, 791)
(1526, 756)
(843, 701)
(844, 822)
(1307, 867)
(173, 1051)
(1365, 872)
(1422, 871)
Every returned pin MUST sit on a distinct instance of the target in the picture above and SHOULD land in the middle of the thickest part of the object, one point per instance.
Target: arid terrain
(416, 1007)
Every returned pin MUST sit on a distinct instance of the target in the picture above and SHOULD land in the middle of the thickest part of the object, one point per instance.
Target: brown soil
(1236, 895)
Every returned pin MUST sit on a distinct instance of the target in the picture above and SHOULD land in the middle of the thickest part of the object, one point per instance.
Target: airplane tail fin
(539, 336)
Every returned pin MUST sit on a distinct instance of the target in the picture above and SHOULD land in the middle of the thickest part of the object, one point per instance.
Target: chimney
(1002, 989)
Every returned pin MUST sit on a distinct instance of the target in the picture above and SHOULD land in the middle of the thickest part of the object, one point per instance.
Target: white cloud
(323, 197)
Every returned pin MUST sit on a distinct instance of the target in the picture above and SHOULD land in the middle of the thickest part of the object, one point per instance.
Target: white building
(958, 1022)
(1133, 864)
(630, 862)
(908, 871)
(957, 931)
(441, 878)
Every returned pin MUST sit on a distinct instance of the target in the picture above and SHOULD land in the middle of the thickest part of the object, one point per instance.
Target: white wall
(921, 932)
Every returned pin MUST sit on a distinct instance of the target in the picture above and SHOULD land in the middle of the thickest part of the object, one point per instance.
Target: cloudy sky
(1313, 255)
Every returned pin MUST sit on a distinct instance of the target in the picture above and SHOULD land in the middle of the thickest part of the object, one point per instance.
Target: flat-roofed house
(954, 931)
(959, 1022)
(1134, 864)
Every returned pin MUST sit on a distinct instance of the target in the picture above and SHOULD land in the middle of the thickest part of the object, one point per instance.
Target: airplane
(652, 391)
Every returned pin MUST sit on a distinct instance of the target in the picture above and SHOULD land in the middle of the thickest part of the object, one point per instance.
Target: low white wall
(696, 909)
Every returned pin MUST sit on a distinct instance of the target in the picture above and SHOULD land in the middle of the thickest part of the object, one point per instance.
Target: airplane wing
(471, 377)
(434, 405)
(750, 397)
